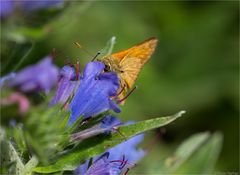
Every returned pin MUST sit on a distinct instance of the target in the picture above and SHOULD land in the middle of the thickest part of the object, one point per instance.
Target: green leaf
(186, 149)
(97, 145)
(204, 159)
(32, 163)
(107, 50)
(45, 124)
(9, 156)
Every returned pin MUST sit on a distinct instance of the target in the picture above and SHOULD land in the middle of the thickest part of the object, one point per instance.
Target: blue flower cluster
(7, 7)
(85, 95)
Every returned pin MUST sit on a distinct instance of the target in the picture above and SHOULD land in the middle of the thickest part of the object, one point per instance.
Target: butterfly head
(110, 65)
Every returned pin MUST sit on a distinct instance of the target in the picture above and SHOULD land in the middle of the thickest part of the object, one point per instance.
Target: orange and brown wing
(134, 59)
(143, 50)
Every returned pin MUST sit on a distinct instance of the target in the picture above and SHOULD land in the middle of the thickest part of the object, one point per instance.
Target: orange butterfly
(128, 63)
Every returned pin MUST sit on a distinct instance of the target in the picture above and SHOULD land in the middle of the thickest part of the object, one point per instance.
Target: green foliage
(9, 157)
(107, 50)
(43, 132)
(186, 149)
(11, 161)
(197, 154)
(97, 145)
(204, 159)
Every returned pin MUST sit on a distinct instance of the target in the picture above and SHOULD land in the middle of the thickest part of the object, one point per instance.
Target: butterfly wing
(143, 50)
(131, 61)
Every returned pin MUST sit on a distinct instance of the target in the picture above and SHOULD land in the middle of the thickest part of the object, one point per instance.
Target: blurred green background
(195, 66)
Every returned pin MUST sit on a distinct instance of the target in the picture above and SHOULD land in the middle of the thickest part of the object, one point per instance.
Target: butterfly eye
(107, 68)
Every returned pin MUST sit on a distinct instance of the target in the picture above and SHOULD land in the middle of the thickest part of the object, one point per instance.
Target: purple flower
(102, 166)
(39, 77)
(66, 85)
(105, 126)
(128, 149)
(6, 78)
(109, 122)
(31, 5)
(93, 94)
(118, 160)
(8, 6)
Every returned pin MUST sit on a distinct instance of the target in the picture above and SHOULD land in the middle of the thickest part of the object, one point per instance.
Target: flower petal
(6, 8)
(93, 94)
(31, 5)
(66, 85)
(41, 76)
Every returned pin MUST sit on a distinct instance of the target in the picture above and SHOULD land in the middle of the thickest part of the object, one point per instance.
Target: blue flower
(8, 6)
(40, 4)
(66, 85)
(6, 78)
(108, 122)
(117, 160)
(39, 77)
(102, 166)
(93, 94)
(105, 126)
(128, 149)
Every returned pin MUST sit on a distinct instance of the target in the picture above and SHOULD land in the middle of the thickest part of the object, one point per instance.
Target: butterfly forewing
(128, 63)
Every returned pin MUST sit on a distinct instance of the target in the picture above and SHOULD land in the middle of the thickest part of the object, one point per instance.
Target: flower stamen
(77, 67)
(119, 101)
(114, 97)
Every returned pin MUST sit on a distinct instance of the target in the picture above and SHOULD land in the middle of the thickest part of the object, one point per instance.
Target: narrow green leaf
(97, 145)
(32, 163)
(107, 50)
(48, 134)
(75, 125)
(185, 150)
(24, 57)
(204, 159)
(64, 122)
(9, 156)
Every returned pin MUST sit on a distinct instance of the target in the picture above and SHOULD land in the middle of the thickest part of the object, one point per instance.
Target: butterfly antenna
(98, 53)
(120, 101)
(81, 47)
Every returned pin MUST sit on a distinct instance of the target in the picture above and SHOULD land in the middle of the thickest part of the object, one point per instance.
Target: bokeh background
(195, 66)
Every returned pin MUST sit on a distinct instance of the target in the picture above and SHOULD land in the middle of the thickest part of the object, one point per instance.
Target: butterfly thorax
(112, 64)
